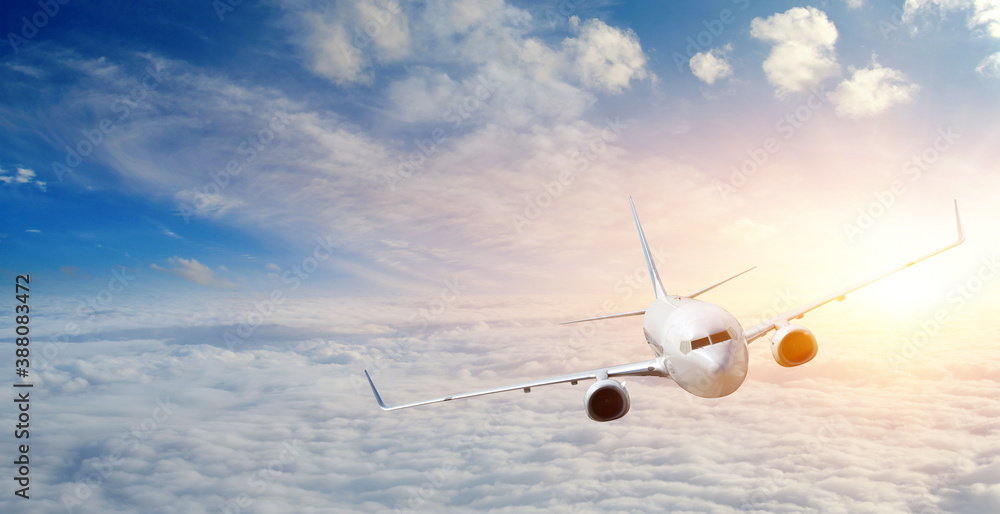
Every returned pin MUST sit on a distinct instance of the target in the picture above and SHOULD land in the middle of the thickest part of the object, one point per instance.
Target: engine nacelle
(606, 400)
(793, 345)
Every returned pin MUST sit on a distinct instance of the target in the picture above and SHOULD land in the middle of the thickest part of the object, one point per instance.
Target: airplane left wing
(644, 368)
(781, 320)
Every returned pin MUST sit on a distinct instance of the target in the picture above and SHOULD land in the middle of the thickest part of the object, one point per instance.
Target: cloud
(605, 58)
(424, 95)
(982, 14)
(712, 65)
(346, 41)
(148, 407)
(854, 4)
(803, 54)
(748, 231)
(990, 66)
(23, 176)
(193, 271)
(27, 70)
(871, 91)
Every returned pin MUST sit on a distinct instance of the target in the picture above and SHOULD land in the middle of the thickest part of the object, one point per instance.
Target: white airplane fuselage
(701, 345)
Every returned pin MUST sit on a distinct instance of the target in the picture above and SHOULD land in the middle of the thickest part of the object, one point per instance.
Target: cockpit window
(718, 337)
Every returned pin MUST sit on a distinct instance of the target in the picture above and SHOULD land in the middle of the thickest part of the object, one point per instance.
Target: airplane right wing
(782, 319)
(644, 368)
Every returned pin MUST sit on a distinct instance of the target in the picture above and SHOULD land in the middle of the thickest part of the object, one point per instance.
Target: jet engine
(606, 400)
(793, 345)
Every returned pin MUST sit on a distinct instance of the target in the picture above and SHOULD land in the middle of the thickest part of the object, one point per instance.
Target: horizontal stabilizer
(609, 316)
(717, 284)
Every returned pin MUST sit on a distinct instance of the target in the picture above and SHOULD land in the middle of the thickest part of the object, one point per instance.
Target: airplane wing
(644, 368)
(780, 320)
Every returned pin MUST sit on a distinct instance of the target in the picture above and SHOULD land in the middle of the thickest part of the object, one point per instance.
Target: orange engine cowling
(606, 400)
(793, 345)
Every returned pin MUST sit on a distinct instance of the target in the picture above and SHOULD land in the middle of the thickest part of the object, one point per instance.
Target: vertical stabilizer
(653, 275)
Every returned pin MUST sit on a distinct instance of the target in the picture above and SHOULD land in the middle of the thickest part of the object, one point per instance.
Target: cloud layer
(150, 410)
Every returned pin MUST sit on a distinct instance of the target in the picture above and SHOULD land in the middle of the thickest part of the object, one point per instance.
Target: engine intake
(793, 345)
(606, 400)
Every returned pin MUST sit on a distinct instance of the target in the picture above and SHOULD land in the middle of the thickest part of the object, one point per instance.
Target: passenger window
(700, 343)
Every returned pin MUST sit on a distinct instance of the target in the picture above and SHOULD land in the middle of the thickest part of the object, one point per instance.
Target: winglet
(653, 275)
(375, 391)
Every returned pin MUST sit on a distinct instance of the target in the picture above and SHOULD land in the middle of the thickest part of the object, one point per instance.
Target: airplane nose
(720, 358)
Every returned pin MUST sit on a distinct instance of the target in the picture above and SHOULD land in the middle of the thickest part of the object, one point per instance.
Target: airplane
(697, 344)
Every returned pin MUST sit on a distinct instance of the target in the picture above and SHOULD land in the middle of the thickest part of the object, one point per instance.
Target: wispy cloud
(193, 271)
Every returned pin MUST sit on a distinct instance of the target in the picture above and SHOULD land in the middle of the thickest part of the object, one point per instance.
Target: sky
(238, 206)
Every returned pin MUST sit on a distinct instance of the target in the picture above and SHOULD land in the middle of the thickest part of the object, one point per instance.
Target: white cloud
(803, 54)
(712, 65)
(193, 271)
(200, 203)
(871, 91)
(345, 42)
(23, 176)
(990, 66)
(748, 231)
(855, 4)
(606, 58)
(284, 421)
(423, 95)
(27, 70)
(983, 14)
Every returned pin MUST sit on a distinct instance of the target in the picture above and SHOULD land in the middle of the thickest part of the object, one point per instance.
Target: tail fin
(653, 275)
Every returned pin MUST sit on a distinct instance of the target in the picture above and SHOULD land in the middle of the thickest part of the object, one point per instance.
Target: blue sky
(273, 197)
(352, 117)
